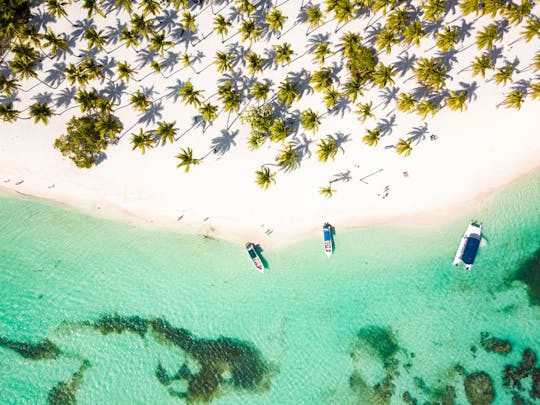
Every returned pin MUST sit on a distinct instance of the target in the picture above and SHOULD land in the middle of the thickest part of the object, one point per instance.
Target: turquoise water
(387, 307)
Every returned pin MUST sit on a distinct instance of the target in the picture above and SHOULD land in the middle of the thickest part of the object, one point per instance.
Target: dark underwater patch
(115, 323)
(529, 273)
(381, 341)
(44, 349)
(65, 392)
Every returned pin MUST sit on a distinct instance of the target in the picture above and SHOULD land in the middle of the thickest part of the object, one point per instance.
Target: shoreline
(107, 210)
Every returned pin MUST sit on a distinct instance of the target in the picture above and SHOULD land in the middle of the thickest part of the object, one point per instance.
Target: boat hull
(468, 246)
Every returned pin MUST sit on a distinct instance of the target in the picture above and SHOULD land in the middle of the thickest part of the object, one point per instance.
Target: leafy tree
(275, 20)
(224, 61)
(288, 158)
(481, 64)
(142, 140)
(8, 113)
(327, 191)
(425, 107)
(457, 100)
(310, 120)
(83, 143)
(486, 37)
(372, 136)
(321, 79)
(265, 178)
(186, 159)
(365, 111)
(405, 102)
(327, 149)
(166, 131)
(287, 92)
(40, 112)
(361, 62)
(504, 75)
(403, 147)
(514, 99)
(260, 121)
(140, 101)
(283, 53)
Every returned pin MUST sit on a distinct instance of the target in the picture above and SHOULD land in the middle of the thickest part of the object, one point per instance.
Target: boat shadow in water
(260, 250)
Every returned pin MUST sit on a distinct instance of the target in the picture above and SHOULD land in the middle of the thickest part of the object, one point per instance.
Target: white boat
(255, 258)
(468, 246)
(327, 238)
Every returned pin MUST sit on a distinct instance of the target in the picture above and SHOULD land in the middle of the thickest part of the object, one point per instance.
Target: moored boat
(327, 238)
(468, 246)
(255, 258)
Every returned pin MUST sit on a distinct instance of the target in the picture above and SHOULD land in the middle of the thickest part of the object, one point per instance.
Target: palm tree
(531, 29)
(413, 33)
(53, 41)
(250, 31)
(87, 100)
(125, 4)
(486, 37)
(109, 126)
(492, 7)
(140, 101)
(353, 88)
(344, 12)
(150, 7)
(224, 61)
(7, 113)
(75, 74)
(403, 147)
(158, 43)
(327, 191)
(288, 158)
(481, 64)
(265, 178)
(187, 159)
(275, 20)
(129, 38)
(260, 90)
(434, 10)
(331, 97)
(23, 68)
(92, 69)
(398, 19)
(40, 112)
(504, 75)
(8, 85)
(279, 130)
(425, 107)
(96, 38)
(230, 97)
(535, 90)
(208, 112)
(142, 141)
(245, 7)
(405, 102)
(310, 120)
(320, 51)
(92, 7)
(166, 131)
(457, 100)
(314, 17)
(471, 6)
(141, 25)
(516, 13)
(372, 136)
(255, 63)
(385, 39)
(287, 92)
(57, 8)
(383, 75)
(322, 79)
(327, 148)
(514, 99)
(221, 26)
(189, 95)
(283, 53)
(124, 71)
(536, 62)
(430, 72)
(364, 111)
(447, 38)
(188, 21)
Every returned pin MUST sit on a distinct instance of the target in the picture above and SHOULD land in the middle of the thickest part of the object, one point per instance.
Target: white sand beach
(458, 158)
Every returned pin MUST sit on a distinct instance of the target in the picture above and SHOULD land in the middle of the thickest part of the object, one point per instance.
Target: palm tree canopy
(288, 158)
(41, 112)
(310, 120)
(265, 178)
(142, 140)
(327, 148)
(187, 159)
(166, 131)
(287, 92)
(403, 147)
(372, 136)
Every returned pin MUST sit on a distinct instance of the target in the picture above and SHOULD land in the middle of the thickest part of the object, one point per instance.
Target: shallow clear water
(321, 327)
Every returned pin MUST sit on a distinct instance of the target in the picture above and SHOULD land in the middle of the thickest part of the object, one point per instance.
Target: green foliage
(327, 149)
(265, 178)
(83, 143)
(372, 136)
(403, 147)
(13, 18)
(310, 120)
(360, 61)
(327, 191)
(288, 158)
(260, 120)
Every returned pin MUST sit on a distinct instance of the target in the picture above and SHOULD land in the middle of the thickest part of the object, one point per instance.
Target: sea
(94, 311)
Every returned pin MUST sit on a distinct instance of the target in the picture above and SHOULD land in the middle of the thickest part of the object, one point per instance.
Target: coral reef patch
(44, 349)
(65, 392)
(479, 389)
